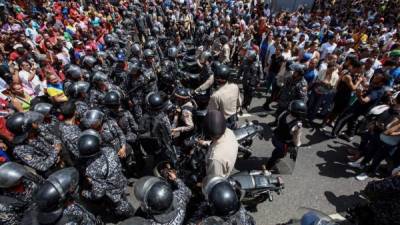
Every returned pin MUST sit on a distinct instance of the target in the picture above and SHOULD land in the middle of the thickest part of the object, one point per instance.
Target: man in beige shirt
(223, 149)
(227, 98)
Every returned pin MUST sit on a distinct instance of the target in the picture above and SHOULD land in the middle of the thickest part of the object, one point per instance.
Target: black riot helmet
(155, 30)
(150, 44)
(156, 101)
(221, 196)
(155, 194)
(214, 124)
(136, 49)
(110, 40)
(78, 89)
(134, 66)
(298, 108)
(42, 108)
(20, 126)
(251, 55)
(99, 77)
(148, 53)
(11, 174)
(89, 144)
(172, 52)
(182, 93)
(112, 99)
(89, 62)
(92, 119)
(51, 196)
(205, 57)
(73, 72)
(222, 72)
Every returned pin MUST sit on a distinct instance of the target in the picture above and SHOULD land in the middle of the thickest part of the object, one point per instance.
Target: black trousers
(348, 117)
(248, 93)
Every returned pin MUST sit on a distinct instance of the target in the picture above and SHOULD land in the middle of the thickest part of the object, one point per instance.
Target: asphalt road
(321, 178)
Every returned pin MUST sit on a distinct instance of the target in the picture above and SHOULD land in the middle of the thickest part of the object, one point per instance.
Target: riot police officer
(136, 51)
(286, 138)
(69, 128)
(223, 202)
(55, 204)
(73, 73)
(111, 134)
(47, 128)
(223, 149)
(136, 84)
(102, 169)
(295, 89)
(78, 93)
(119, 74)
(155, 127)
(250, 70)
(206, 73)
(99, 81)
(17, 186)
(227, 98)
(159, 203)
(183, 119)
(31, 148)
(88, 63)
(150, 70)
(134, 156)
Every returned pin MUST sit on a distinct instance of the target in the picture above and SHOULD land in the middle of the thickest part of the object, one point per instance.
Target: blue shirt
(310, 76)
(394, 75)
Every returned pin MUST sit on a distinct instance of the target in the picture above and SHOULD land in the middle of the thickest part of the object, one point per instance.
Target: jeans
(377, 152)
(314, 103)
(279, 152)
(270, 80)
(367, 139)
(348, 117)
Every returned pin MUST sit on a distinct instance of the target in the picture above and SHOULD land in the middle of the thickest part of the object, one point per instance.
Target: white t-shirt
(31, 33)
(327, 48)
(35, 84)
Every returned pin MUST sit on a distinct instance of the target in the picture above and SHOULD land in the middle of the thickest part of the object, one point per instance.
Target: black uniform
(283, 138)
(251, 72)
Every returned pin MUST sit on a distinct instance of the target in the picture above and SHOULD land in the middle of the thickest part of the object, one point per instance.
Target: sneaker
(362, 176)
(356, 165)
(346, 137)
(325, 128)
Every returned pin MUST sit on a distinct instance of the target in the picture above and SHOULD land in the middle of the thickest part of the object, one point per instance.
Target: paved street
(321, 179)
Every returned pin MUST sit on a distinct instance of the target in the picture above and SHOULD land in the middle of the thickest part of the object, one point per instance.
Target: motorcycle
(245, 135)
(256, 186)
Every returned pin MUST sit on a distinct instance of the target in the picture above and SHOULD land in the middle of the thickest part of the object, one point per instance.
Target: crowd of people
(91, 89)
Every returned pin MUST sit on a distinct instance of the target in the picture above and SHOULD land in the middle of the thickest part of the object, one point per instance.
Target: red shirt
(14, 56)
